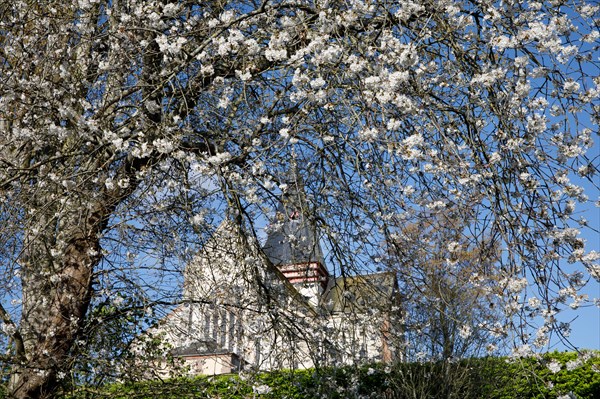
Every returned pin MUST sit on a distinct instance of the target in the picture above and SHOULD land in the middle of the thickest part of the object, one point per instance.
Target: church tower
(293, 244)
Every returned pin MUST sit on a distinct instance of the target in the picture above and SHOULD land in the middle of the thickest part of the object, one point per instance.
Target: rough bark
(56, 295)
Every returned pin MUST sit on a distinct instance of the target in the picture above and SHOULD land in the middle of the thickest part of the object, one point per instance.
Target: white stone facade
(277, 307)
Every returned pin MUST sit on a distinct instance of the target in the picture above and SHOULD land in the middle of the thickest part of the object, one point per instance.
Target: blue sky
(586, 327)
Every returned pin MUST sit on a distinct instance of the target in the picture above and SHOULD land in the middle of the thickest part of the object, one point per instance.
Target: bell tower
(293, 243)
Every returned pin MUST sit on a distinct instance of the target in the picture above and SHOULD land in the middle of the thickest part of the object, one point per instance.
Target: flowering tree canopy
(129, 128)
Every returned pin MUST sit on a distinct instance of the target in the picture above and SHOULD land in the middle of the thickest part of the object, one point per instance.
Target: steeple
(292, 237)
(293, 243)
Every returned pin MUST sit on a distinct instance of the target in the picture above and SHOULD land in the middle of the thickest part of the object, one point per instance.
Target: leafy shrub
(533, 378)
(547, 377)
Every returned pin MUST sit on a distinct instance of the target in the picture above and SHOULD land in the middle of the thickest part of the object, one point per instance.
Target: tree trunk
(57, 286)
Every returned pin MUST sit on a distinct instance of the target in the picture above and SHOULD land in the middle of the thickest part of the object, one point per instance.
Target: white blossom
(570, 86)
(454, 246)
(284, 132)
(517, 284)
(465, 332)
(534, 303)
(317, 83)
(369, 134)
(573, 364)
(8, 328)
(554, 366)
(261, 389)
(164, 146)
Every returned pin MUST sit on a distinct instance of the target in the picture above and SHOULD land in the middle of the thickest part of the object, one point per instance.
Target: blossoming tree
(128, 128)
(449, 313)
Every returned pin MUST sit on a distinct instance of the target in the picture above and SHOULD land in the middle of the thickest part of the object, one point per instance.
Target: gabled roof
(362, 292)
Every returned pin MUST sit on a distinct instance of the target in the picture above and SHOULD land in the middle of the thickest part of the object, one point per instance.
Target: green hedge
(532, 378)
(494, 378)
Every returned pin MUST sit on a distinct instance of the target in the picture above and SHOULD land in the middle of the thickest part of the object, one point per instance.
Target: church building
(277, 306)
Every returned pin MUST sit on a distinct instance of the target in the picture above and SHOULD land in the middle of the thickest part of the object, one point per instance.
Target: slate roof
(292, 237)
(199, 348)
